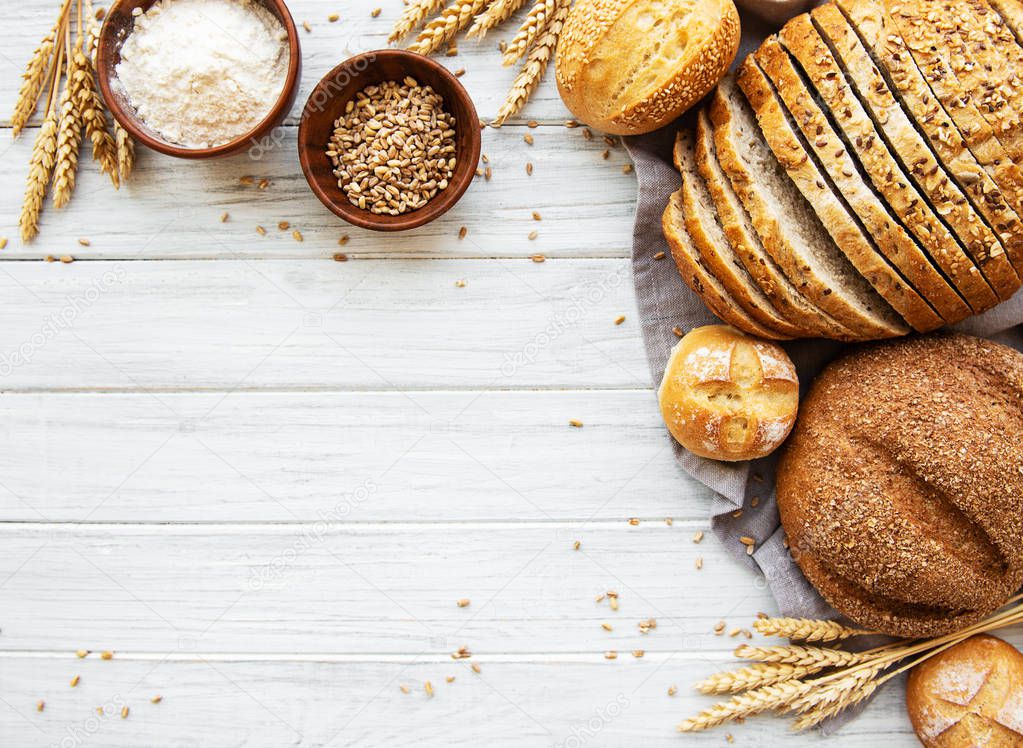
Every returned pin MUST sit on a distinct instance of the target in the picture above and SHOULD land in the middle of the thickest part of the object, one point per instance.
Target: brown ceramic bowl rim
(128, 120)
(465, 171)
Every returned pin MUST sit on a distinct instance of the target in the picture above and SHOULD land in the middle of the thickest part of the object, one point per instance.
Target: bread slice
(794, 154)
(929, 53)
(713, 247)
(705, 285)
(850, 131)
(990, 188)
(787, 226)
(913, 153)
(975, 229)
(738, 227)
(1011, 12)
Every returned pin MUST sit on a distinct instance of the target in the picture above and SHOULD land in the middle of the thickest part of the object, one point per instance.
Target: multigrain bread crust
(855, 131)
(622, 74)
(715, 252)
(900, 487)
(738, 228)
(1011, 12)
(913, 153)
(969, 695)
(695, 275)
(980, 220)
(726, 396)
(793, 153)
(802, 248)
(885, 75)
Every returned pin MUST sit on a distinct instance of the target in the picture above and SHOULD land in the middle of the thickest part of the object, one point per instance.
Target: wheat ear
(496, 13)
(413, 17)
(69, 133)
(851, 697)
(533, 70)
(745, 705)
(800, 656)
(104, 149)
(43, 156)
(540, 16)
(123, 143)
(32, 82)
(446, 26)
(805, 629)
(754, 676)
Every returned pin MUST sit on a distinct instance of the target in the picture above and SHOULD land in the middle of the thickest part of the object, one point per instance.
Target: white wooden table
(263, 478)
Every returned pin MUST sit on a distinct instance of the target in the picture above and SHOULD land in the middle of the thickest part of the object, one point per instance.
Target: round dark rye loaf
(901, 487)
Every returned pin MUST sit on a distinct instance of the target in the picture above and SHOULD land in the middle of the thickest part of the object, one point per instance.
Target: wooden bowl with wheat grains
(326, 104)
(118, 25)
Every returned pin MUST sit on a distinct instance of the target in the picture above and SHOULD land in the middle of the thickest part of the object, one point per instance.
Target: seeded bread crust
(913, 152)
(1011, 12)
(991, 188)
(853, 130)
(858, 307)
(705, 285)
(735, 222)
(793, 154)
(590, 86)
(929, 54)
(900, 485)
(713, 247)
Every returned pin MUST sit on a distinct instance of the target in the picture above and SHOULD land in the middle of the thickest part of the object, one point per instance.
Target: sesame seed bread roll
(728, 396)
(901, 484)
(631, 66)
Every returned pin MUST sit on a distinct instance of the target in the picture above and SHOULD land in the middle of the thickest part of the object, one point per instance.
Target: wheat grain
(446, 26)
(754, 676)
(801, 656)
(413, 17)
(125, 152)
(805, 629)
(533, 70)
(69, 132)
(539, 19)
(745, 705)
(496, 13)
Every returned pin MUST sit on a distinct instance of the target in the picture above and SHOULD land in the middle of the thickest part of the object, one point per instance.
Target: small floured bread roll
(728, 396)
(969, 695)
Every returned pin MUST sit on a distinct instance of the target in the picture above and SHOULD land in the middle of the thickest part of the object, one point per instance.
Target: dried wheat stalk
(44, 152)
(800, 656)
(541, 15)
(496, 13)
(745, 705)
(412, 18)
(805, 629)
(123, 142)
(446, 26)
(104, 149)
(32, 83)
(69, 133)
(533, 70)
(754, 676)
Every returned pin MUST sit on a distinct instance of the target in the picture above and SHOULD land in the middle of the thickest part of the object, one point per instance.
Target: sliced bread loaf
(792, 151)
(992, 187)
(713, 247)
(787, 226)
(978, 228)
(738, 227)
(929, 52)
(913, 153)
(705, 285)
(1011, 12)
(850, 130)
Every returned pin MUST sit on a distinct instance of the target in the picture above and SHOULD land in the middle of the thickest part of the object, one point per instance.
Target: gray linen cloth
(666, 302)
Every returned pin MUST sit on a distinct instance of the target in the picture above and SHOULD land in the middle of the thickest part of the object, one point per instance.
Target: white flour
(204, 72)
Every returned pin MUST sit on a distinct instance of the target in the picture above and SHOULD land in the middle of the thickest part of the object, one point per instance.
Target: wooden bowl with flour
(116, 29)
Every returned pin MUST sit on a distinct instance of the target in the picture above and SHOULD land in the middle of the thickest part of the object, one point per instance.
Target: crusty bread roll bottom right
(901, 486)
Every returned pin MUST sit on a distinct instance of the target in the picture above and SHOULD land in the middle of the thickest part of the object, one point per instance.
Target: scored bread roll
(969, 695)
(632, 66)
(900, 487)
(728, 396)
